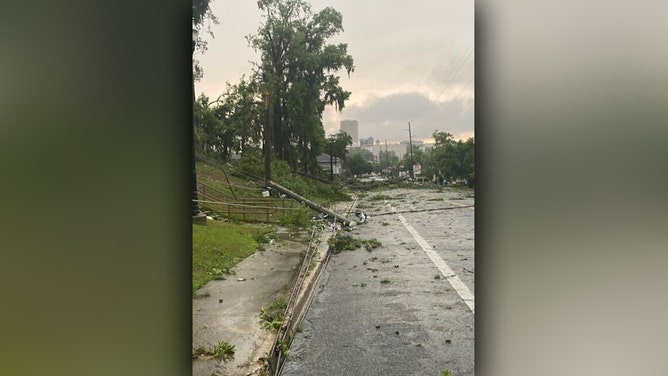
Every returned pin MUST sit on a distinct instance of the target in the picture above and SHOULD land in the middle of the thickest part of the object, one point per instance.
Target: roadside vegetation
(320, 191)
(222, 351)
(242, 183)
(271, 318)
(219, 245)
(449, 161)
(217, 248)
(344, 242)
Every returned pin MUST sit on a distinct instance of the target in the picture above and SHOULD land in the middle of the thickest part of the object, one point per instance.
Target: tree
(246, 113)
(366, 154)
(452, 160)
(232, 123)
(336, 146)
(387, 161)
(443, 138)
(210, 129)
(202, 18)
(338, 143)
(357, 165)
(419, 156)
(298, 68)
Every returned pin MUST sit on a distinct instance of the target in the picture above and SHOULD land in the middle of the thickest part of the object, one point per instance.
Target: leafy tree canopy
(298, 69)
(203, 17)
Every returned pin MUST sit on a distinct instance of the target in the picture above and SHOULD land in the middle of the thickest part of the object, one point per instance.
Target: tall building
(366, 141)
(350, 127)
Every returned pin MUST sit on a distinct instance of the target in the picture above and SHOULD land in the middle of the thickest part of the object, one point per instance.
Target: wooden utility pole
(194, 198)
(387, 160)
(317, 207)
(331, 161)
(410, 142)
(267, 138)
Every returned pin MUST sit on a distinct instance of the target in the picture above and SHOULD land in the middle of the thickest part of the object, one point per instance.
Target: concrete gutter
(297, 312)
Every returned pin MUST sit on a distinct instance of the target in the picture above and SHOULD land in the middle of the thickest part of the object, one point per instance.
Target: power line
(419, 210)
(457, 70)
(429, 115)
(439, 119)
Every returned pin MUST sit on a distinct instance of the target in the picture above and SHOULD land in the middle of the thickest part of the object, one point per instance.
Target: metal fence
(219, 203)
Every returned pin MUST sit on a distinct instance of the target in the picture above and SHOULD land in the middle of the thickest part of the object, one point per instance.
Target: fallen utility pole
(319, 208)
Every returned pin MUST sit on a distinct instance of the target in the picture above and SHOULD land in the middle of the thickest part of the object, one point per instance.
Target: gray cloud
(387, 117)
(402, 50)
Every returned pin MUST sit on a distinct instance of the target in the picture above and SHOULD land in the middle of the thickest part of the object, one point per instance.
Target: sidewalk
(229, 308)
(230, 311)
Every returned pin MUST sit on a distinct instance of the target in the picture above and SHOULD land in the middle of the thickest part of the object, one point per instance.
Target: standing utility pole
(331, 162)
(195, 201)
(267, 138)
(410, 142)
(387, 159)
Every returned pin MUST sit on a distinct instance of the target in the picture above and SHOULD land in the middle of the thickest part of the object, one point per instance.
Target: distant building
(400, 149)
(325, 162)
(351, 128)
(366, 141)
(415, 142)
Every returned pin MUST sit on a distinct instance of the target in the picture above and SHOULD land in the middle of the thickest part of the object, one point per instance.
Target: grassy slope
(217, 247)
(313, 190)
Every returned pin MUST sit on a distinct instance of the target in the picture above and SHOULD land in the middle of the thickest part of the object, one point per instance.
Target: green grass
(283, 347)
(215, 178)
(314, 190)
(222, 350)
(299, 216)
(217, 247)
(271, 318)
(296, 215)
(265, 234)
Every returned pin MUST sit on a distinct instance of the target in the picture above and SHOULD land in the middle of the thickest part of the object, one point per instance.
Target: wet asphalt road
(405, 308)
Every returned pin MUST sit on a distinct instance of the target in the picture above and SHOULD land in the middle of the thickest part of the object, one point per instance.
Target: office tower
(350, 127)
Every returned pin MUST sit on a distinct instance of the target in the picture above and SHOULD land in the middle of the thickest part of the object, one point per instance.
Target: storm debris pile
(345, 242)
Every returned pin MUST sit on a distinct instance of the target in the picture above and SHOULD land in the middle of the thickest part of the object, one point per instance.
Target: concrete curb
(300, 307)
(322, 248)
(297, 311)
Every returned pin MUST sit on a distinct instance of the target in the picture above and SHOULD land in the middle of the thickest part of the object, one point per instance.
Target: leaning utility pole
(410, 142)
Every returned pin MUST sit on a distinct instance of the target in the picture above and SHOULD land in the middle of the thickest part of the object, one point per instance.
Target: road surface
(405, 308)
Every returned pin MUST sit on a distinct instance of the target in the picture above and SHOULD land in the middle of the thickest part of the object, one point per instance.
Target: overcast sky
(414, 62)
